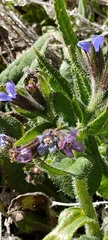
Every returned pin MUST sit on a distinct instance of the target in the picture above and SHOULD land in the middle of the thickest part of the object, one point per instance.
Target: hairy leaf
(57, 82)
(11, 126)
(69, 221)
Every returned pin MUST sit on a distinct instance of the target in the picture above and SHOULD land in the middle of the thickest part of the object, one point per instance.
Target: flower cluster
(94, 55)
(42, 145)
(97, 42)
(67, 144)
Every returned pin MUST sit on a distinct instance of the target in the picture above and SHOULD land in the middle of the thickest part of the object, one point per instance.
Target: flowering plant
(57, 130)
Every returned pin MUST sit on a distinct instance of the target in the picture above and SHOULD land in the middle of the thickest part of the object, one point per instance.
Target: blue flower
(3, 140)
(48, 142)
(69, 143)
(11, 92)
(97, 42)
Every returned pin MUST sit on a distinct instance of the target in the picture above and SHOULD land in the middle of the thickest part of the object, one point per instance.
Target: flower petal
(72, 136)
(85, 46)
(78, 146)
(5, 97)
(52, 148)
(2, 139)
(97, 42)
(61, 143)
(25, 155)
(10, 88)
(68, 152)
(42, 149)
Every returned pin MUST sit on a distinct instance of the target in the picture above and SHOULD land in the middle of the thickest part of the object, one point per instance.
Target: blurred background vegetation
(22, 22)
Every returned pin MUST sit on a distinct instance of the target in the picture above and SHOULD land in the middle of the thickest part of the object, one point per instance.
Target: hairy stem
(86, 203)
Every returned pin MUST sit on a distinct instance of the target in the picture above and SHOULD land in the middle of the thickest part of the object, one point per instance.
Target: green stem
(86, 203)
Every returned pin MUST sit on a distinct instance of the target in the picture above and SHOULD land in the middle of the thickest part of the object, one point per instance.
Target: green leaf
(65, 70)
(99, 125)
(52, 169)
(15, 69)
(79, 110)
(78, 168)
(103, 188)
(57, 82)
(47, 93)
(34, 13)
(31, 134)
(81, 83)
(64, 183)
(11, 126)
(82, 7)
(84, 237)
(27, 113)
(69, 221)
(69, 36)
(94, 177)
(63, 107)
(95, 174)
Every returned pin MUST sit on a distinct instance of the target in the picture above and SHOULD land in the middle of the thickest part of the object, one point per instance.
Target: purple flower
(3, 140)
(97, 42)
(11, 92)
(24, 155)
(69, 143)
(47, 143)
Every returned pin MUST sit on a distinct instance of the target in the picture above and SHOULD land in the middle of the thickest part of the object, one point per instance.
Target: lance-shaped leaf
(69, 36)
(79, 109)
(84, 237)
(81, 83)
(47, 93)
(28, 113)
(94, 177)
(8, 123)
(31, 134)
(103, 188)
(57, 82)
(99, 124)
(64, 183)
(52, 169)
(78, 168)
(64, 107)
(15, 69)
(69, 221)
(82, 7)
(95, 174)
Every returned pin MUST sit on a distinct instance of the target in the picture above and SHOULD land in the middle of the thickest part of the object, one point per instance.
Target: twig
(75, 13)
(95, 204)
